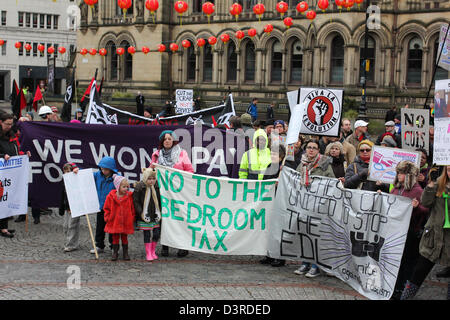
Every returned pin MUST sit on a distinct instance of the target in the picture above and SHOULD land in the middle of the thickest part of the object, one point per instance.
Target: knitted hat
(246, 119)
(368, 142)
(163, 134)
(279, 122)
(410, 170)
(389, 141)
(117, 180)
(75, 121)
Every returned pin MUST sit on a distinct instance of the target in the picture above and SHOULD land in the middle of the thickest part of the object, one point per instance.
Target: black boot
(20, 218)
(444, 273)
(165, 251)
(125, 252)
(37, 220)
(278, 263)
(409, 291)
(182, 253)
(115, 254)
(266, 260)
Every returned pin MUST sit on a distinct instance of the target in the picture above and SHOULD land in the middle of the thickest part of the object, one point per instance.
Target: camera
(434, 174)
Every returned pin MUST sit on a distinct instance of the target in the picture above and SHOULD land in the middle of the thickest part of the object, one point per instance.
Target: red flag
(23, 102)
(85, 98)
(37, 97)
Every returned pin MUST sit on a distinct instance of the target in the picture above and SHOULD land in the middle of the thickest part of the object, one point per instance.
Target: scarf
(169, 157)
(447, 220)
(306, 167)
(365, 159)
(150, 193)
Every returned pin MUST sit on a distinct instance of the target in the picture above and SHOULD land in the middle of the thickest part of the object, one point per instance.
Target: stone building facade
(325, 52)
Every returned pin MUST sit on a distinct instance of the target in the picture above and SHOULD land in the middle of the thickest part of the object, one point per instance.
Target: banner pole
(92, 237)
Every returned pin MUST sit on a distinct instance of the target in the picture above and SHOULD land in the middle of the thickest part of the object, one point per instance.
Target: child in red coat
(119, 216)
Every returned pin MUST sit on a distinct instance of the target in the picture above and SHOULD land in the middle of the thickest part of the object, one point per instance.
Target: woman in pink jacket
(170, 154)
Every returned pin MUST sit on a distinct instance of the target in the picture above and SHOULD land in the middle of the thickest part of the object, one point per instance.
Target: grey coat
(323, 168)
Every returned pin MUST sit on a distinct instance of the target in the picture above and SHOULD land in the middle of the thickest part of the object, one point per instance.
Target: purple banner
(212, 151)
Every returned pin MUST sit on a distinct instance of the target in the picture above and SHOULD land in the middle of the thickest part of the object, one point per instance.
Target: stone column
(284, 69)
(239, 66)
(259, 68)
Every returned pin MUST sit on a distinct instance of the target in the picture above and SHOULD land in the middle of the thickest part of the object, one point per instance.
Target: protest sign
(214, 215)
(441, 145)
(357, 236)
(442, 99)
(415, 129)
(212, 151)
(444, 45)
(81, 193)
(383, 162)
(185, 101)
(322, 110)
(14, 175)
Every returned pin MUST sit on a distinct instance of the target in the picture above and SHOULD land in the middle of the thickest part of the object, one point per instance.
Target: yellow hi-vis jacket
(255, 161)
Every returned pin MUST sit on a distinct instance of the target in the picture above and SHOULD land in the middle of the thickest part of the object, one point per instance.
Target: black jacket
(8, 145)
(353, 178)
(138, 201)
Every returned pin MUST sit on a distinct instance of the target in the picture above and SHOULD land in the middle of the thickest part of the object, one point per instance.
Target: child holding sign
(119, 216)
(148, 214)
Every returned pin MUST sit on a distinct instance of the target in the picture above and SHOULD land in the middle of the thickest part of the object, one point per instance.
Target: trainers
(313, 272)
(69, 249)
(99, 250)
(302, 270)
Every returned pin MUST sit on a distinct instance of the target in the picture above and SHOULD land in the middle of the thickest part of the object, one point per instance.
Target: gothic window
(337, 60)
(112, 58)
(296, 62)
(250, 61)
(370, 56)
(414, 63)
(232, 62)
(276, 62)
(207, 62)
(191, 62)
(127, 62)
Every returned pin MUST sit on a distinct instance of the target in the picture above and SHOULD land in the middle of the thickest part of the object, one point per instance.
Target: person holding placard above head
(406, 185)
(435, 241)
(71, 226)
(313, 164)
(119, 216)
(170, 154)
(148, 213)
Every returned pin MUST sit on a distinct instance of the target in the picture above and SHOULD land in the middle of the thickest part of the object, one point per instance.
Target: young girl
(119, 216)
(71, 226)
(148, 215)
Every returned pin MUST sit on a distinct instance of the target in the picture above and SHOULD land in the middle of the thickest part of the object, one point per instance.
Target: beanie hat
(389, 141)
(410, 170)
(163, 134)
(279, 122)
(368, 142)
(117, 180)
(75, 121)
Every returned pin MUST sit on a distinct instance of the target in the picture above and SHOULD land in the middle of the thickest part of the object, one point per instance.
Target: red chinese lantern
(145, 49)
(340, 4)
(311, 14)
(212, 40)
(124, 5)
(240, 35)
(120, 51)
(92, 51)
(90, 3)
(288, 22)
(181, 7)
(282, 7)
(152, 6)
(131, 50)
(323, 5)
(41, 48)
(18, 45)
(358, 2)
(2, 42)
(236, 10)
(201, 42)
(51, 50)
(83, 51)
(268, 28)
(27, 47)
(208, 9)
(173, 47)
(348, 4)
(186, 44)
(103, 52)
(252, 32)
(302, 7)
(225, 38)
(62, 50)
(259, 10)
(162, 48)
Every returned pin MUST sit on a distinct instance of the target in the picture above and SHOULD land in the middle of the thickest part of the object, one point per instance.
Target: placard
(81, 193)
(415, 129)
(14, 175)
(185, 101)
(441, 145)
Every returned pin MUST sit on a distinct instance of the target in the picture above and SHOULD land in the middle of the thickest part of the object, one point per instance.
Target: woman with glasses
(357, 172)
(313, 164)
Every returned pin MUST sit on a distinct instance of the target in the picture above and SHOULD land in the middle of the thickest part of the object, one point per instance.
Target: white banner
(14, 175)
(81, 193)
(185, 101)
(441, 146)
(383, 162)
(214, 215)
(357, 236)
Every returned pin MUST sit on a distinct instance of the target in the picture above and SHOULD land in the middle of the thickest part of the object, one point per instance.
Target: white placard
(14, 175)
(441, 146)
(81, 193)
(185, 101)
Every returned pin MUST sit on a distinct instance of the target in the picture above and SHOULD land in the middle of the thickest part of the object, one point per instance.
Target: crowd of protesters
(345, 157)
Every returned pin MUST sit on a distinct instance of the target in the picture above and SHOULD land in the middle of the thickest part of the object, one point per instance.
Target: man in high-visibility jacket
(256, 160)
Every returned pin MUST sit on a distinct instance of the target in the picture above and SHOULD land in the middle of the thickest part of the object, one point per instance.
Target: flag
(85, 98)
(14, 93)
(96, 111)
(37, 97)
(20, 103)
(66, 112)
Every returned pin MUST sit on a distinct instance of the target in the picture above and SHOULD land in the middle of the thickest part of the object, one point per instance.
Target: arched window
(277, 62)
(112, 60)
(191, 62)
(250, 61)
(296, 62)
(126, 63)
(231, 62)
(370, 55)
(441, 73)
(414, 64)
(207, 62)
(337, 60)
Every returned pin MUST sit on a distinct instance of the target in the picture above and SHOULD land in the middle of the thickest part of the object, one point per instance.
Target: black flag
(66, 112)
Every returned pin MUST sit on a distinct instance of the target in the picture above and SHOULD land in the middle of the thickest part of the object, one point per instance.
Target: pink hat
(75, 121)
(117, 180)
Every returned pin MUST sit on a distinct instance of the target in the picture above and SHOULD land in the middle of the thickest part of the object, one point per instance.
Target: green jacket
(435, 242)
(255, 161)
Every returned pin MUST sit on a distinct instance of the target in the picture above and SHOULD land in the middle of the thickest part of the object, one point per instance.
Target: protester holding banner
(119, 216)
(146, 197)
(435, 241)
(313, 164)
(170, 154)
(357, 172)
(406, 185)
(71, 226)
(256, 160)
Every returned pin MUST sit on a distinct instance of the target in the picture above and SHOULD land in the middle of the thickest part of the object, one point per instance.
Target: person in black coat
(140, 100)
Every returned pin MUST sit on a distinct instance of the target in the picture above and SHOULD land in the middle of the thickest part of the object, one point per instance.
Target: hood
(260, 133)
(108, 163)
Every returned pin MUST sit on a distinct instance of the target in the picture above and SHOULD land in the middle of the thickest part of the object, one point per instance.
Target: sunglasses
(365, 150)
(312, 148)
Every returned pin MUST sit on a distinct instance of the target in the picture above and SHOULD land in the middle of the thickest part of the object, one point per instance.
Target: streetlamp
(366, 65)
